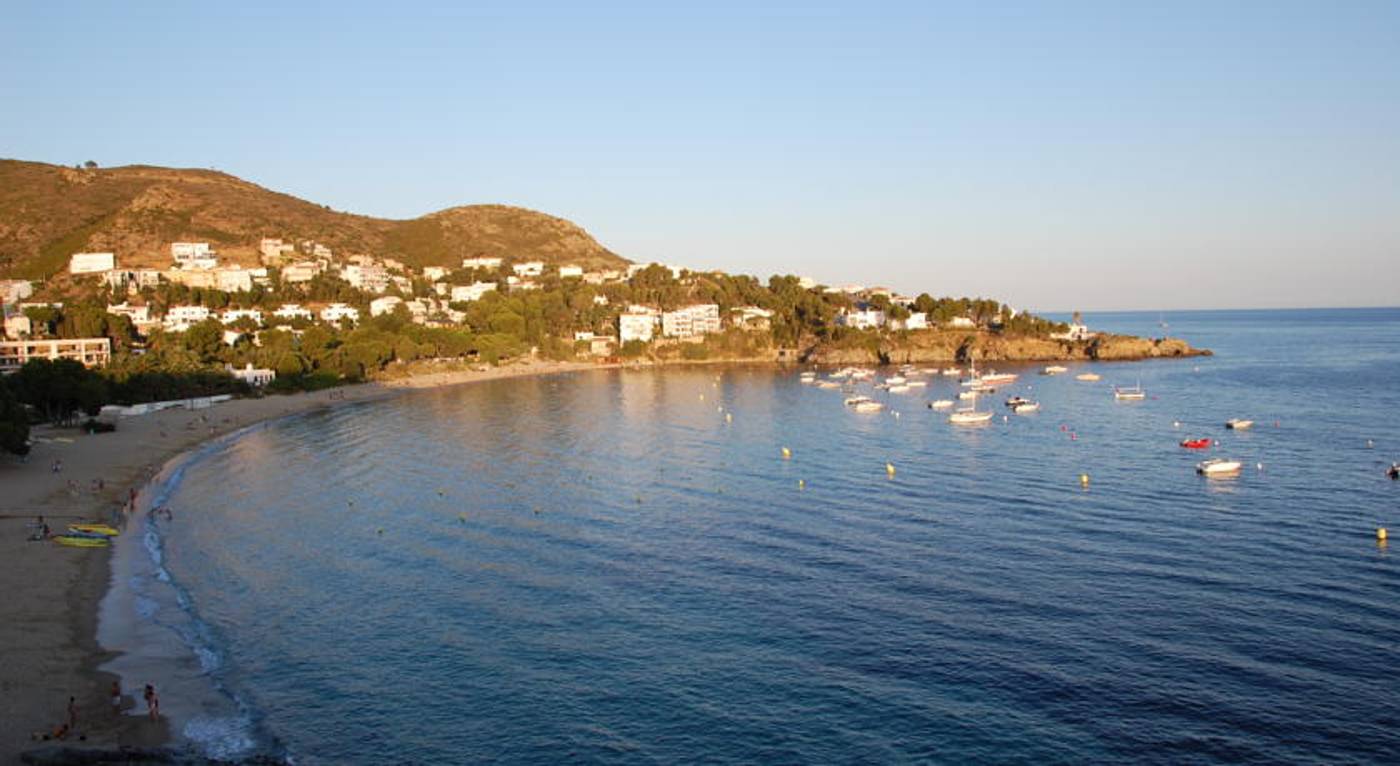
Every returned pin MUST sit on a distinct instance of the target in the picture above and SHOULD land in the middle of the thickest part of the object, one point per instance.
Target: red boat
(1195, 443)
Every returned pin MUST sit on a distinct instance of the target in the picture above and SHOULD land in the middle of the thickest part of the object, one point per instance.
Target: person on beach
(152, 702)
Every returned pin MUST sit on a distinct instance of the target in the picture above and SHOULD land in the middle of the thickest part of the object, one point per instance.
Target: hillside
(48, 212)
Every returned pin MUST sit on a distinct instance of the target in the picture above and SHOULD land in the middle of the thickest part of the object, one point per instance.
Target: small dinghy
(1195, 443)
(1218, 467)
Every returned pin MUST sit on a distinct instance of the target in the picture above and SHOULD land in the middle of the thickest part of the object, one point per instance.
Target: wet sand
(48, 624)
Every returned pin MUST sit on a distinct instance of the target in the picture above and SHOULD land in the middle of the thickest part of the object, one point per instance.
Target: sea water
(622, 567)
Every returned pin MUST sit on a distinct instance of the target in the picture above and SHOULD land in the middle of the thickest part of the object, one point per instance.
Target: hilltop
(48, 212)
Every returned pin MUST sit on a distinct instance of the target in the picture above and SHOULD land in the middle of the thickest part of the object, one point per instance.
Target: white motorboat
(952, 372)
(902, 388)
(995, 378)
(1238, 424)
(1054, 369)
(965, 395)
(1088, 376)
(1016, 400)
(918, 384)
(896, 380)
(869, 406)
(1025, 407)
(828, 384)
(1218, 466)
(940, 404)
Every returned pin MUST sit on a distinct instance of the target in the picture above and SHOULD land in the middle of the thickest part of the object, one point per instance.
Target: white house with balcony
(567, 272)
(528, 269)
(917, 320)
(435, 273)
(257, 378)
(636, 326)
(372, 277)
(862, 319)
(337, 311)
(179, 318)
(292, 311)
(691, 321)
(481, 263)
(961, 323)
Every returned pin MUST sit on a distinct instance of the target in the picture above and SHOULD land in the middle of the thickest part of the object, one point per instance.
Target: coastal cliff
(949, 347)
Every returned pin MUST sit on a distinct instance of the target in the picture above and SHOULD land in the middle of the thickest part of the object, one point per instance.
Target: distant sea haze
(622, 567)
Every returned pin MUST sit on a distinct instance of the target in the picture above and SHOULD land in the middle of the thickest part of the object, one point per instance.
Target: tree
(14, 423)
(59, 387)
(206, 340)
(90, 165)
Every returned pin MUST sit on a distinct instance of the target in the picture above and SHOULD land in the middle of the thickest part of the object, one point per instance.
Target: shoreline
(48, 638)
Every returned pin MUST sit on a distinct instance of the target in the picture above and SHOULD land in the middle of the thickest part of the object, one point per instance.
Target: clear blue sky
(1054, 155)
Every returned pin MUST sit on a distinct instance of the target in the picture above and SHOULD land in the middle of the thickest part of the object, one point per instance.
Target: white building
(92, 352)
(600, 300)
(632, 326)
(566, 272)
(435, 273)
(193, 255)
(751, 317)
(963, 323)
(302, 271)
(583, 335)
(1076, 332)
(292, 311)
(481, 263)
(184, 251)
(91, 263)
(917, 320)
(256, 378)
(179, 318)
(18, 326)
(234, 280)
(691, 321)
(338, 311)
(602, 345)
(373, 277)
(867, 319)
(806, 283)
(472, 292)
(14, 290)
(233, 315)
(528, 269)
(384, 305)
(274, 250)
(137, 314)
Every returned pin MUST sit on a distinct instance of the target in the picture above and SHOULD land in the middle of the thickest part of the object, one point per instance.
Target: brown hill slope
(48, 212)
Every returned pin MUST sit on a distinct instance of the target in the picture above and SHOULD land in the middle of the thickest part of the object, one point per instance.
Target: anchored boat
(1218, 466)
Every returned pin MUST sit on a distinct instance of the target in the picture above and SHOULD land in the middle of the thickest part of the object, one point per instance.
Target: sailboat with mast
(969, 416)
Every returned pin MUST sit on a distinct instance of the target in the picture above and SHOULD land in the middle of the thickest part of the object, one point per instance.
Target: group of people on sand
(69, 725)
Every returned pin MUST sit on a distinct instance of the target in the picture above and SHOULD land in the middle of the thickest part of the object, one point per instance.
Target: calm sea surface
(603, 567)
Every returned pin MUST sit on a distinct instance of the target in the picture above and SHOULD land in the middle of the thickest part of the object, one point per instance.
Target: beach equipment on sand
(95, 529)
(76, 541)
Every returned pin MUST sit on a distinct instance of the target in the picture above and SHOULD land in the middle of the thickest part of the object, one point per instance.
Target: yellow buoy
(787, 453)
(1381, 534)
(1084, 479)
(728, 418)
(801, 483)
(889, 468)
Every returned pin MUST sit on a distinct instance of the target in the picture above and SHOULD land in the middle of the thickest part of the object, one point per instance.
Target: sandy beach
(48, 647)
